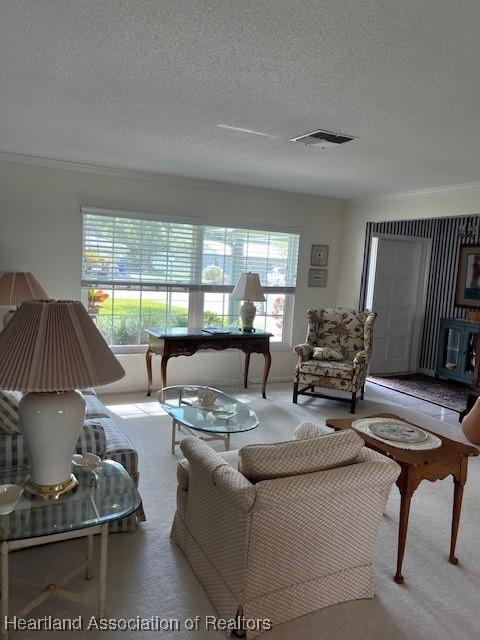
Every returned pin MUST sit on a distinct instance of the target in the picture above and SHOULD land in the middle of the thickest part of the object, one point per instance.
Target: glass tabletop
(103, 495)
(207, 409)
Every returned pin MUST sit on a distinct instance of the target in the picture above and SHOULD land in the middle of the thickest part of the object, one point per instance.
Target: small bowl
(9, 496)
(221, 414)
(87, 462)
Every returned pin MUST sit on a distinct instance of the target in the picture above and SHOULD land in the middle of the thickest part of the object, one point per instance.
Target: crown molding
(418, 193)
(151, 176)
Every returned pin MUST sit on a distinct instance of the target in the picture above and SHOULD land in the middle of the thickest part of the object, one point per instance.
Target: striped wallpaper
(443, 271)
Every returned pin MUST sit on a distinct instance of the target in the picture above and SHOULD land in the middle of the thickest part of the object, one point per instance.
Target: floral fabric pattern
(343, 329)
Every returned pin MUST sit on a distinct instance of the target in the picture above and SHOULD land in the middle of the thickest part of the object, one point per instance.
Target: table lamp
(248, 289)
(49, 349)
(15, 288)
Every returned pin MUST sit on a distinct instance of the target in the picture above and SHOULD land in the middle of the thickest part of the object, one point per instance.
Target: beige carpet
(148, 576)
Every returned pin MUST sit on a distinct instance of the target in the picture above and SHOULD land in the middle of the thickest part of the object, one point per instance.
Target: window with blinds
(139, 273)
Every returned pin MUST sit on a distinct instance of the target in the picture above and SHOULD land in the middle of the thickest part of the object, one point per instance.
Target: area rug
(446, 393)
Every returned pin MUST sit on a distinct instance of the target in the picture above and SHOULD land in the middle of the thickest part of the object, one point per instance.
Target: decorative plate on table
(394, 430)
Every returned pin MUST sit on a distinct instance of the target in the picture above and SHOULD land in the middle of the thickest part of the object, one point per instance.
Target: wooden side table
(435, 464)
(171, 343)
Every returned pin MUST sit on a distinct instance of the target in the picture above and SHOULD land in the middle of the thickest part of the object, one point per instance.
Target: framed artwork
(317, 277)
(319, 257)
(467, 292)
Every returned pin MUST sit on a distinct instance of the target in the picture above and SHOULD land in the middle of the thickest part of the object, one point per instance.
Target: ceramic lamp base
(51, 424)
(248, 312)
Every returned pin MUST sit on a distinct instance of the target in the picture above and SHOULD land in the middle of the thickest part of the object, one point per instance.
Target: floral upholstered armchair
(335, 354)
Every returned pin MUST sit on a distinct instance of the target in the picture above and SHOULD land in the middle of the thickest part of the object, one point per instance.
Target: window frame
(196, 297)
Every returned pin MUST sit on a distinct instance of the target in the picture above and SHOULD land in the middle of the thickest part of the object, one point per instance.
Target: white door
(395, 297)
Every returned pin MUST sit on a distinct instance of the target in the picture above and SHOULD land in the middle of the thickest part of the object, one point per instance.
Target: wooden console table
(434, 464)
(170, 343)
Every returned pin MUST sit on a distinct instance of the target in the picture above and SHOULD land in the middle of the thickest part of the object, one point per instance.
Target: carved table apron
(187, 343)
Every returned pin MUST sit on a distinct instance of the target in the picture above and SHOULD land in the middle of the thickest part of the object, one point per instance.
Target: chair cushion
(267, 461)
(326, 353)
(328, 369)
(9, 419)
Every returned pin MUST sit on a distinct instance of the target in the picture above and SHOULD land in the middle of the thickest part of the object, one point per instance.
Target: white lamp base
(248, 312)
(51, 424)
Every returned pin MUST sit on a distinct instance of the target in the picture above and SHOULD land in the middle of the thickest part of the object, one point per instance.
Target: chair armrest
(361, 357)
(235, 486)
(303, 351)
(217, 473)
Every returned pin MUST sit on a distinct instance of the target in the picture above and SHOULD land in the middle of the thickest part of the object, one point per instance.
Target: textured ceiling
(143, 84)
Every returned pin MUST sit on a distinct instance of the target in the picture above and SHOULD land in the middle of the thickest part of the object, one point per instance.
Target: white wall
(41, 229)
(448, 201)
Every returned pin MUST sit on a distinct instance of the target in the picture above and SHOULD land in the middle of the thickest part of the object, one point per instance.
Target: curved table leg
(402, 533)
(457, 506)
(149, 371)
(266, 369)
(163, 370)
(247, 366)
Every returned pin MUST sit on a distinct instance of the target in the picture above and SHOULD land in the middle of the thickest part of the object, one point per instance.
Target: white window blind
(122, 252)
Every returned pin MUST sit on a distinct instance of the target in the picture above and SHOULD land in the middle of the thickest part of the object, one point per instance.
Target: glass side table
(215, 414)
(102, 496)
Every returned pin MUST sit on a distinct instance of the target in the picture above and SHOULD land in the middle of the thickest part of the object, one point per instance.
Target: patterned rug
(446, 393)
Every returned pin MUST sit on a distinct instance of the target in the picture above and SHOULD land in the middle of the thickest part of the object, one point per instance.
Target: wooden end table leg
(148, 358)
(402, 533)
(163, 370)
(266, 369)
(457, 507)
(247, 366)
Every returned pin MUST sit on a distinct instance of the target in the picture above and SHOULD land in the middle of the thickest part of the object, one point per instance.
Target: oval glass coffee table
(209, 411)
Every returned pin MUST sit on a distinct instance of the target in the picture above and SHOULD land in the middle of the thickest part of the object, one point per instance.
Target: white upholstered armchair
(342, 333)
(280, 530)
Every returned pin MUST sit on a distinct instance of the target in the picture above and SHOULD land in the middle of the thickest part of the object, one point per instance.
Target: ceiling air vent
(323, 139)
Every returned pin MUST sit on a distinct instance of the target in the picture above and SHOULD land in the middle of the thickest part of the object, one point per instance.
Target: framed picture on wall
(467, 292)
(317, 277)
(319, 256)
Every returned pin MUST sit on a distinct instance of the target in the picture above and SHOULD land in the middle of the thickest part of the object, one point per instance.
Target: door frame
(421, 301)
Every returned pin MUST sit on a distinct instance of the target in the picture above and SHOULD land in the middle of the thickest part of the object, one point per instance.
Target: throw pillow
(327, 353)
(268, 461)
(9, 419)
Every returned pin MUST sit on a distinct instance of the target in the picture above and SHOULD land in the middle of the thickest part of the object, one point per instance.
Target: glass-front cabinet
(456, 349)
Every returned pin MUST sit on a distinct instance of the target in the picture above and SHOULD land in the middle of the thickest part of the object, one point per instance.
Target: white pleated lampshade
(248, 287)
(53, 345)
(18, 286)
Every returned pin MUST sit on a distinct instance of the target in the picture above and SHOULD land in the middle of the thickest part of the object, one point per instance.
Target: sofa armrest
(303, 351)
(92, 439)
